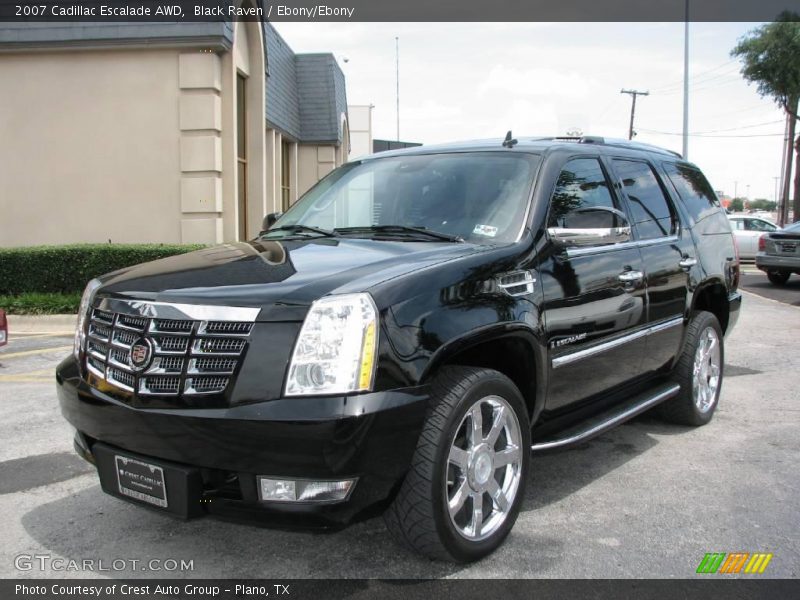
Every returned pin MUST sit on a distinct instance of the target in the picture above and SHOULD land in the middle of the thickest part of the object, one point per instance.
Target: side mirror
(270, 219)
(593, 231)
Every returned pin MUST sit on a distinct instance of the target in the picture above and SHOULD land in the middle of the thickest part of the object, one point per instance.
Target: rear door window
(652, 215)
(581, 186)
(693, 188)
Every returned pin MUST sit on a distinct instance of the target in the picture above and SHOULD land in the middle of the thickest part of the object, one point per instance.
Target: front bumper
(371, 437)
(770, 262)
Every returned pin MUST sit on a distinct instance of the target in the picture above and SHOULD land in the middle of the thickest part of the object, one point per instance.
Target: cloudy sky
(476, 80)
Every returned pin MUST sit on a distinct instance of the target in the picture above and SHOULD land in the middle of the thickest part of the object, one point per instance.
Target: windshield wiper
(297, 228)
(403, 229)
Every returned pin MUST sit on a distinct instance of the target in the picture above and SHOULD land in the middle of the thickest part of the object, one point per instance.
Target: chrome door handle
(630, 276)
(687, 262)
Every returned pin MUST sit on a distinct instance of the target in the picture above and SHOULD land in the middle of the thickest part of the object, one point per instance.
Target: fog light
(304, 490)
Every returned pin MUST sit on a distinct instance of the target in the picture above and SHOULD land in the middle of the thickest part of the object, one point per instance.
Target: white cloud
(472, 80)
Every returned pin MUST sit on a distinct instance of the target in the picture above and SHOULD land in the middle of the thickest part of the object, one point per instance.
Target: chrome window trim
(566, 359)
(573, 252)
(168, 310)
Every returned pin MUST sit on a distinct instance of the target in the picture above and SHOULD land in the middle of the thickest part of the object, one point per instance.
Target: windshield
(479, 197)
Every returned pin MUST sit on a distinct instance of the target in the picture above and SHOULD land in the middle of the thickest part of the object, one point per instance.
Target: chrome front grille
(190, 356)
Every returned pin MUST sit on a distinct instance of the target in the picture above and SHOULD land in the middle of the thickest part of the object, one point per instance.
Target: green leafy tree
(770, 57)
(762, 204)
(737, 205)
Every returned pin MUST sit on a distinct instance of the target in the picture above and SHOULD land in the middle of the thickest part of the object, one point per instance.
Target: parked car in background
(747, 230)
(779, 253)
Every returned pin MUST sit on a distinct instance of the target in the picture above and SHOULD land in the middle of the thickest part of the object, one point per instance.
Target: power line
(737, 128)
(679, 83)
(712, 136)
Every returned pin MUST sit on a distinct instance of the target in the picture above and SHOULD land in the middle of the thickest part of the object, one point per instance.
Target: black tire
(684, 409)
(418, 518)
(778, 277)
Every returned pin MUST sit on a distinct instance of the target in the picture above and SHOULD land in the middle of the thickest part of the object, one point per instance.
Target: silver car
(747, 229)
(779, 253)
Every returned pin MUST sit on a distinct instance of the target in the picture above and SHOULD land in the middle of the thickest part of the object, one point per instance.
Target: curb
(43, 324)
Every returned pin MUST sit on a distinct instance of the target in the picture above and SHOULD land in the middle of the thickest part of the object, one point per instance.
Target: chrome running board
(609, 419)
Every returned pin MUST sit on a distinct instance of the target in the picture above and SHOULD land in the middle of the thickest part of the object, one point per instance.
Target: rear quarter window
(693, 189)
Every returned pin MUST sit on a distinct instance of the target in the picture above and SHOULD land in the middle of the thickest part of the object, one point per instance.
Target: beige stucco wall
(90, 147)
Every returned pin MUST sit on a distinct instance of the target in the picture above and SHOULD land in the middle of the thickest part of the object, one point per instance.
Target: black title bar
(332, 11)
(710, 588)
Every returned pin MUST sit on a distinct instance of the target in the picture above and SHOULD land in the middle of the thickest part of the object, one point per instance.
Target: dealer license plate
(788, 247)
(141, 481)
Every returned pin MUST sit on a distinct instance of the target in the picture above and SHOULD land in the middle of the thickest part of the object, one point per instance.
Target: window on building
(696, 193)
(286, 169)
(241, 154)
(650, 207)
(582, 185)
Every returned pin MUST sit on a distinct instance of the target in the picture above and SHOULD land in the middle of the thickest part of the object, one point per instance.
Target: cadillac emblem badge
(141, 354)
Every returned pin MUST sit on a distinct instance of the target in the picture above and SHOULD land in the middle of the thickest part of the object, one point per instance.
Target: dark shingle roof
(306, 95)
(33, 36)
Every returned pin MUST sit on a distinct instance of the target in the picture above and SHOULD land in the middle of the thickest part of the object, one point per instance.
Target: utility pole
(686, 84)
(397, 81)
(735, 189)
(633, 94)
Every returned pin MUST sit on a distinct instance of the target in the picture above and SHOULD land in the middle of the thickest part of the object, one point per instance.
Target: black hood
(280, 277)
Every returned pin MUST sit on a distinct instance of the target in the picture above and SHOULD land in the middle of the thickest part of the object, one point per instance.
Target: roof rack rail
(619, 143)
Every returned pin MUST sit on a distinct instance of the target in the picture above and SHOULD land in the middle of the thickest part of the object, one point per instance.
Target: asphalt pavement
(647, 499)
(756, 281)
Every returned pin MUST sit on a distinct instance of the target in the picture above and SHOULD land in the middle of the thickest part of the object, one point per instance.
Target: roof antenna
(509, 142)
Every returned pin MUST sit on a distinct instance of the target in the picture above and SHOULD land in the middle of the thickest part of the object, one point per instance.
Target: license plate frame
(141, 481)
(789, 248)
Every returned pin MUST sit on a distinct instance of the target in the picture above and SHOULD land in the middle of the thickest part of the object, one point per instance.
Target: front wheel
(463, 492)
(699, 372)
(778, 277)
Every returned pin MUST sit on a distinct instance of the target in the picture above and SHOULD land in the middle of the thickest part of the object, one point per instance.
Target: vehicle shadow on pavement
(558, 474)
(91, 525)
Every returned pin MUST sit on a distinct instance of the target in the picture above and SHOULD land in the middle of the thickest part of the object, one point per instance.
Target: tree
(770, 57)
(737, 205)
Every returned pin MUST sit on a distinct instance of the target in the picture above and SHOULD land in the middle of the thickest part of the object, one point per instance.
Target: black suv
(406, 334)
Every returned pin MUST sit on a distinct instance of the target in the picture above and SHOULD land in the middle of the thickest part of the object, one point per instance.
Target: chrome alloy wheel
(707, 368)
(484, 468)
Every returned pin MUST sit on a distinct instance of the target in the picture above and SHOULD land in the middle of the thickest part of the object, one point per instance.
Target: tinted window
(758, 225)
(581, 186)
(479, 196)
(693, 188)
(649, 207)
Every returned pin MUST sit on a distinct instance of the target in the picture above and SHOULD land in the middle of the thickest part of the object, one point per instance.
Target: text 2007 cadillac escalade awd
(406, 335)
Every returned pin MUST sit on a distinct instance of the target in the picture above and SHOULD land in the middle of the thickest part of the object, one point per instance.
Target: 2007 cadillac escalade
(406, 335)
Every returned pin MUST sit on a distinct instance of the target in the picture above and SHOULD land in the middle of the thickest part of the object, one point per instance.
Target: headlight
(335, 352)
(80, 329)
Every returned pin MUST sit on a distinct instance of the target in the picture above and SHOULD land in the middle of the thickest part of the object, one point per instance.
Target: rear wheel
(699, 372)
(778, 277)
(467, 481)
